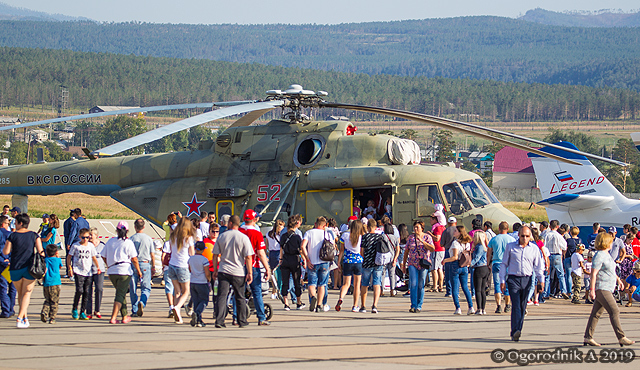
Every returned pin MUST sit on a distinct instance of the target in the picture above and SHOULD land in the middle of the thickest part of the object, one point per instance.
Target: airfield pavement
(392, 339)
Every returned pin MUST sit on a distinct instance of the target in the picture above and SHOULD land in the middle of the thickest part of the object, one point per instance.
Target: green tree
(386, 132)
(582, 141)
(408, 134)
(121, 128)
(469, 166)
(445, 144)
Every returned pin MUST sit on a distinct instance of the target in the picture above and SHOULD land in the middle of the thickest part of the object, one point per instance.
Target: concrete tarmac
(391, 339)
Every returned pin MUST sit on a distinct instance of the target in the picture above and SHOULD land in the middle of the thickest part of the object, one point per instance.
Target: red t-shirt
(257, 241)
(437, 230)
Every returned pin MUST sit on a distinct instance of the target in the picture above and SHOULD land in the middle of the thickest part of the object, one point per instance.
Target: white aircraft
(580, 194)
(635, 137)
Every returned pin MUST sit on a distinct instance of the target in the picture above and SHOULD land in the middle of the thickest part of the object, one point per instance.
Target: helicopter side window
(309, 151)
(487, 191)
(457, 201)
(427, 196)
(474, 193)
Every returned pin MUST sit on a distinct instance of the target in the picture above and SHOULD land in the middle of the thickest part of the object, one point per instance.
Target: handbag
(464, 258)
(327, 250)
(425, 263)
(38, 265)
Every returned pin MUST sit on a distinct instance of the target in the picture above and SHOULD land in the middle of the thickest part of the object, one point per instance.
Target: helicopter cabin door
(335, 204)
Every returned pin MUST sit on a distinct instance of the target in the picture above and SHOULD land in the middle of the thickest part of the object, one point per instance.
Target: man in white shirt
(557, 245)
(204, 224)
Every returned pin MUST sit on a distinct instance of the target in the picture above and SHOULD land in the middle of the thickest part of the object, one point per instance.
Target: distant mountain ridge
(602, 18)
(8, 12)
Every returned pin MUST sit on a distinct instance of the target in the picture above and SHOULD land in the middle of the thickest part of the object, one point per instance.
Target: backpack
(289, 248)
(464, 257)
(382, 245)
(384, 253)
(327, 250)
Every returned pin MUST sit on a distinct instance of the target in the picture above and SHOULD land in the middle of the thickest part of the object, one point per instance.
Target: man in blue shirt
(496, 248)
(520, 261)
(70, 228)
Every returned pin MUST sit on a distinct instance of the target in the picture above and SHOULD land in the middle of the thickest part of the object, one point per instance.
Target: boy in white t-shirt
(83, 255)
(577, 271)
(199, 283)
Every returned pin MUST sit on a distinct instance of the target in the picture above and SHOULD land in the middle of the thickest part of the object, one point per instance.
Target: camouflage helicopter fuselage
(307, 168)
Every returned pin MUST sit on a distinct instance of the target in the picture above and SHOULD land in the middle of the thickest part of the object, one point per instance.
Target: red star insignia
(194, 205)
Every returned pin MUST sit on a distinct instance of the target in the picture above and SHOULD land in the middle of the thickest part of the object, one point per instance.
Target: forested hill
(33, 77)
(603, 18)
(495, 48)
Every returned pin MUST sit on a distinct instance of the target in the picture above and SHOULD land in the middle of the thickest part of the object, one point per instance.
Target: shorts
(437, 258)
(168, 284)
(495, 271)
(351, 269)
(16, 275)
(319, 274)
(372, 272)
(179, 273)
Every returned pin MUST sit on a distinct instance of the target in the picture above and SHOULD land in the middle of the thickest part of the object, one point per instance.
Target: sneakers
(287, 308)
(479, 312)
(363, 310)
(471, 311)
(458, 311)
(43, 318)
(338, 305)
(355, 309)
(412, 310)
(201, 324)
(189, 310)
(194, 319)
(274, 296)
(300, 306)
(507, 308)
(374, 309)
(536, 303)
(140, 309)
(499, 309)
(313, 303)
(529, 303)
(170, 315)
(264, 323)
(516, 336)
(74, 314)
(52, 321)
(83, 316)
(22, 323)
(407, 295)
(326, 308)
(577, 301)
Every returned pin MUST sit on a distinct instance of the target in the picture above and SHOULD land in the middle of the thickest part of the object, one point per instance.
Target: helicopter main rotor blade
(417, 117)
(127, 111)
(466, 127)
(167, 130)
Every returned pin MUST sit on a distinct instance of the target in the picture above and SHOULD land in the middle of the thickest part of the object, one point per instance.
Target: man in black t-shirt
(370, 271)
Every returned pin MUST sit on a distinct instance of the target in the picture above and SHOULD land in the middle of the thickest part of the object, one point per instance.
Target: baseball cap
(353, 218)
(533, 225)
(452, 220)
(636, 266)
(122, 225)
(200, 246)
(16, 209)
(46, 215)
(613, 229)
(250, 215)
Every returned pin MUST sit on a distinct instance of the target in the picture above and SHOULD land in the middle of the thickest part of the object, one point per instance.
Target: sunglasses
(85, 237)
(216, 231)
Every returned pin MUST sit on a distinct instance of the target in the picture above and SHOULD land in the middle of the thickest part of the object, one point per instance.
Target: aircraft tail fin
(569, 186)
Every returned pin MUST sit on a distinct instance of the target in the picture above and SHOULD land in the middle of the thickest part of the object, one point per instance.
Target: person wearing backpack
(290, 251)
(370, 270)
(460, 257)
(317, 269)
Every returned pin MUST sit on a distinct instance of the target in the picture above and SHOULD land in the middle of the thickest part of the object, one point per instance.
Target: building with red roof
(513, 169)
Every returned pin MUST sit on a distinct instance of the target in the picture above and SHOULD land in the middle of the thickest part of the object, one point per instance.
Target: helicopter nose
(500, 213)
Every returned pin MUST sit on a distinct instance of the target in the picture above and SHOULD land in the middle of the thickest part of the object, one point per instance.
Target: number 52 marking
(264, 190)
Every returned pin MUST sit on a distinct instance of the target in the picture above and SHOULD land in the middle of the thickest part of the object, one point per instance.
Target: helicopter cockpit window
(457, 201)
(474, 193)
(309, 151)
(487, 191)
(427, 196)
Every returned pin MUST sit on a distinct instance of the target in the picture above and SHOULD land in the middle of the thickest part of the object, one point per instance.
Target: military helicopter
(291, 165)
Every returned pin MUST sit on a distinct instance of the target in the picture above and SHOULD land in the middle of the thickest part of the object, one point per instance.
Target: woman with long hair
(481, 273)
(418, 248)
(460, 275)
(182, 247)
(22, 244)
(120, 254)
(290, 250)
(603, 283)
(351, 263)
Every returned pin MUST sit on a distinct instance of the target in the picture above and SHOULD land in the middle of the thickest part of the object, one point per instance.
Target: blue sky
(322, 12)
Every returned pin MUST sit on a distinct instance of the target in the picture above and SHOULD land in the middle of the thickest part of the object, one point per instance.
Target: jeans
(447, 277)
(567, 274)
(256, 292)
(416, 286)
(519, 287)
(7, 297)
(390, 269)
(460, 278)
(555, 261)
(200, 297)
(495, 272)
(225, 282)
(372, 273)
(145, 286)
(97, 284)
(83, 285)
(472, 271)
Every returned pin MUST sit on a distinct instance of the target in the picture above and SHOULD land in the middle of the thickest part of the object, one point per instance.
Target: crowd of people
(527, 266)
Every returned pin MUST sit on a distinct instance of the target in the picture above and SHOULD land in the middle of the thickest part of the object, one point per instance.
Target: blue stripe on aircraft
(59, 189)
(562, 198)
(559, 152)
